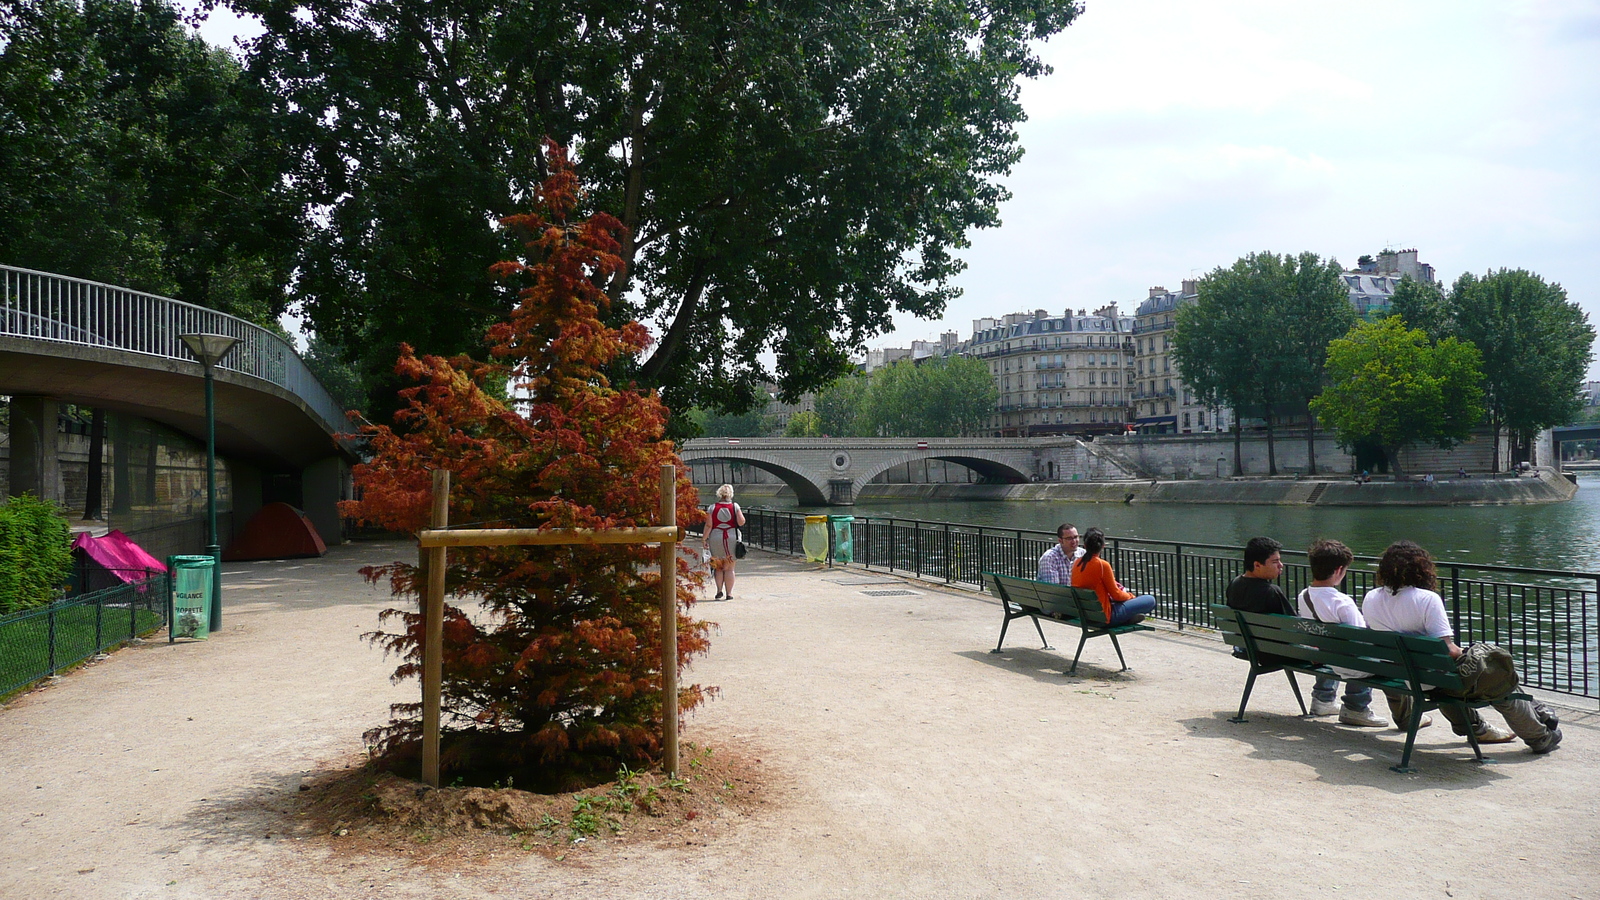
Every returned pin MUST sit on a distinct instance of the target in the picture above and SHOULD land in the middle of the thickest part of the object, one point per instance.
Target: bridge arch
(988, 468)
(806, 491)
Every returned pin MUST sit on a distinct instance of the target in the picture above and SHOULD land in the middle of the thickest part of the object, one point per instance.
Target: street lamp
(210, 350)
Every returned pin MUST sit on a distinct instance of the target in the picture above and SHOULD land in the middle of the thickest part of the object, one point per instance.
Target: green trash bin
(815, 539)
(843, 551)
(191, 597)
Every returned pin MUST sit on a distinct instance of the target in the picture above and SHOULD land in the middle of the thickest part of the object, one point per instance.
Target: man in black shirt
(1255, 590)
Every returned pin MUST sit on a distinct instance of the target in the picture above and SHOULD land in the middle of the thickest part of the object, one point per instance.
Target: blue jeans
(1127, 611)
(1356, 698)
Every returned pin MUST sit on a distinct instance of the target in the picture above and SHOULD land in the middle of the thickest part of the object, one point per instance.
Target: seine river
(1547, 536)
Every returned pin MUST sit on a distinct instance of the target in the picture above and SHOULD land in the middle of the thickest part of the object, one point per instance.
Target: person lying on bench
(1090, 571)
(1324, 602)
(1408, 603)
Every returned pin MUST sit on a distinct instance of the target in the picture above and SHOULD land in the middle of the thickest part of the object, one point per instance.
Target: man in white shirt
(1324, 602)
(1407, 603)
(1055, 566)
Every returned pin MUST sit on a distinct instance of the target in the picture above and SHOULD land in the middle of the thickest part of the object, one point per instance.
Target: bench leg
(1040, 629)
(1003, 626)
(1411, 737)
(1081, 641)
(1249, 685)
(1472, 739)
(1119, 653)
(1298, 699)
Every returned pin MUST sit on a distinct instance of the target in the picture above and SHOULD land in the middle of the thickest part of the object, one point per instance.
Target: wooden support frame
(435, 542)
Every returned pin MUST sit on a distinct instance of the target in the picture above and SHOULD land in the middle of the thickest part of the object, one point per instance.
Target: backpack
(1487, 671)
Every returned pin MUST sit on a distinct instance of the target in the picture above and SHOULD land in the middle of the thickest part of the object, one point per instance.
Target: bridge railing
(46, 307)
(1546, 618)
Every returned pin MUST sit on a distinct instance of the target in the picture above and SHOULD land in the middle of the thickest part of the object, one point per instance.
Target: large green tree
(1257, 335)
(788, 173)
(130, 153)
(840, 404)
(1422, 305)
(1392, 385)
(940, 397)
(1536, 347)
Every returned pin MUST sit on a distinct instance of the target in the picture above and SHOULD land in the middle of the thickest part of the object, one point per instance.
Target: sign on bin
(191, 596)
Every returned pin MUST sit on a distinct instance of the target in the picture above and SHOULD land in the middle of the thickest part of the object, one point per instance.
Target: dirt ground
(865, 743)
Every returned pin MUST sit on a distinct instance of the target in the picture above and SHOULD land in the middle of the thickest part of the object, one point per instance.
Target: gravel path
(906, 761)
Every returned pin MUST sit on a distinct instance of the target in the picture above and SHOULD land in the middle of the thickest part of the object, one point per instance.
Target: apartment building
(1373, 282)
(1067, 374)
(1162, 403)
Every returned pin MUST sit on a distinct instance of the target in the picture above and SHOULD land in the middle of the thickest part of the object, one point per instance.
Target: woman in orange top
(1090, 571)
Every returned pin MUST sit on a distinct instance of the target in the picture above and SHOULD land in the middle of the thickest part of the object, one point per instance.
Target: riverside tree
(1536, 347)
(1391, 385)
(131, 153)
(788, 174)
(554, 679)
(1257, 337)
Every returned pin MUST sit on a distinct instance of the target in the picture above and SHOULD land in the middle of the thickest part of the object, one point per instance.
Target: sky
(1174, 137)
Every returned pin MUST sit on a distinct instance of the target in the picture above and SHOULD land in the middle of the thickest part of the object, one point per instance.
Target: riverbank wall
(1542, 485)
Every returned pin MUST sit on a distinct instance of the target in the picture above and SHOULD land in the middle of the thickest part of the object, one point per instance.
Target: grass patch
(80, 629)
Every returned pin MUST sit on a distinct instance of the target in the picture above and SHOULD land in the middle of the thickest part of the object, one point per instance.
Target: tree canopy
(131, 154)
(1258, 332)
(1536, 347)
(787, 174)
(949, 396)
(1390, 384)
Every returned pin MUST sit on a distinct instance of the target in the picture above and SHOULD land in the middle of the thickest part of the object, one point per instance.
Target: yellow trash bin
(815, 539)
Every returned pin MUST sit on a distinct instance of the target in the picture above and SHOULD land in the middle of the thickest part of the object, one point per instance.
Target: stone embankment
(1543, 485)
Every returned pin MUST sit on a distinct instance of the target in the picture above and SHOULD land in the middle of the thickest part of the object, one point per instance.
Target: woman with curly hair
(1090, 571)
(1407, 602)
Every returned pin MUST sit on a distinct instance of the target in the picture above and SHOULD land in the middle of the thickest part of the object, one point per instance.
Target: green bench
(1058, 603)
(1419, 667)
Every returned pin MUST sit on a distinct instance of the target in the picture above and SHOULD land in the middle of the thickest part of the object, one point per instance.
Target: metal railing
(38, 643)
(46, 307)
(1545, 617)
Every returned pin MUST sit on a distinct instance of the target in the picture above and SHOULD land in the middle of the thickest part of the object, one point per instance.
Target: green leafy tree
(788, 175)
(1391, 385)
(709, 423)
(342, 381)
(556, 680)
(939, 397)
(1422, 305)
(1257, 337)
(840, 404)
(803, 424)
(1536, 347)
(130, 153)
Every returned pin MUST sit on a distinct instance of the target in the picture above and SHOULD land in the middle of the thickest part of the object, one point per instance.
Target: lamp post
(210, 350)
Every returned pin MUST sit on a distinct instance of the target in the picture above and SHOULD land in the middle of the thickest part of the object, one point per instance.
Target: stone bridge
(832, 471)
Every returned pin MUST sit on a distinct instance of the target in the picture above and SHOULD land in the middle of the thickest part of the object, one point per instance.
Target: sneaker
(1427, 719)
(1493, 734)
(1549, 743)
(1324, 707)
(718, 596)
(1365, 718)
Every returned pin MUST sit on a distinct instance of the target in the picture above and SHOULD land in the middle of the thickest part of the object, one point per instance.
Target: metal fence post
(50, 637)
(1183, 595)
(1455, 599)
(99, 616)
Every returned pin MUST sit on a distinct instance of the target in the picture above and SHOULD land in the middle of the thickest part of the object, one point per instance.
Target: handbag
(738, 545)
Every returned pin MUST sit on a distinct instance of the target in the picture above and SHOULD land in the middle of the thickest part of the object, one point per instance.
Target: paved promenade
(904, 761)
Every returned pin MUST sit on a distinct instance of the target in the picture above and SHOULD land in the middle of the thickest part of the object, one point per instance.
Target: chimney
(1157, 291)
(1191, 286)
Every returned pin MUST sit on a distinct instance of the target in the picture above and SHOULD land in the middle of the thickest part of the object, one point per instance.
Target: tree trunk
(1238, 444)
(1494, 434)
(97, 443)
(1272, 454)
(1394, 462)
(1311, 442)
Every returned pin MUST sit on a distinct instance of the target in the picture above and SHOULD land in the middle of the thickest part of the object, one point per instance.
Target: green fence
(1546, 618)
(37, 643)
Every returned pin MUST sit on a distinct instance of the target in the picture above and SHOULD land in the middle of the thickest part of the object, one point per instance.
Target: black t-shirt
(1258, 595)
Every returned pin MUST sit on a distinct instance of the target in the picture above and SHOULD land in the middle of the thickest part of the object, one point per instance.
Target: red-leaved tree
(551, 654)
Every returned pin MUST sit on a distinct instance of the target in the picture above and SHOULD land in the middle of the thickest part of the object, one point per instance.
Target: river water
(1546, 536)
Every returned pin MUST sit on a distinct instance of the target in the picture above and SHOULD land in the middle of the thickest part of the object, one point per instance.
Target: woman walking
(723, 519)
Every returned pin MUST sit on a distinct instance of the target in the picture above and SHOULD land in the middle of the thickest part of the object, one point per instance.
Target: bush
(35, 554)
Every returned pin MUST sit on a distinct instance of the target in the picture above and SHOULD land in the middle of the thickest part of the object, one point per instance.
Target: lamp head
(209, 348)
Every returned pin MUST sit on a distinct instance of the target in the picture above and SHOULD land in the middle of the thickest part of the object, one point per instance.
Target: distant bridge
(832, 471)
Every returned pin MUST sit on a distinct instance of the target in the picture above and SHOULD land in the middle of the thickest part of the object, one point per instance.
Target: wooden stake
(669, 623)
(433, 633)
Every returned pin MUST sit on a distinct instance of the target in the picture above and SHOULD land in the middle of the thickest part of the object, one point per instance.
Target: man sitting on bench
(1407, 603)
(1324, 602)
(1255, 591)
(1055, 566)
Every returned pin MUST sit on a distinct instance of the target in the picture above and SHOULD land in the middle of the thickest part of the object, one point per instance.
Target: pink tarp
(119, 554)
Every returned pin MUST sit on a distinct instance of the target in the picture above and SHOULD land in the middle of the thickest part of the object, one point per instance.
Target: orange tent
(278, 531)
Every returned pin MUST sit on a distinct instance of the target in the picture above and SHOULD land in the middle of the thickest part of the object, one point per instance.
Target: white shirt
(1329, 604)
(1411, 610)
